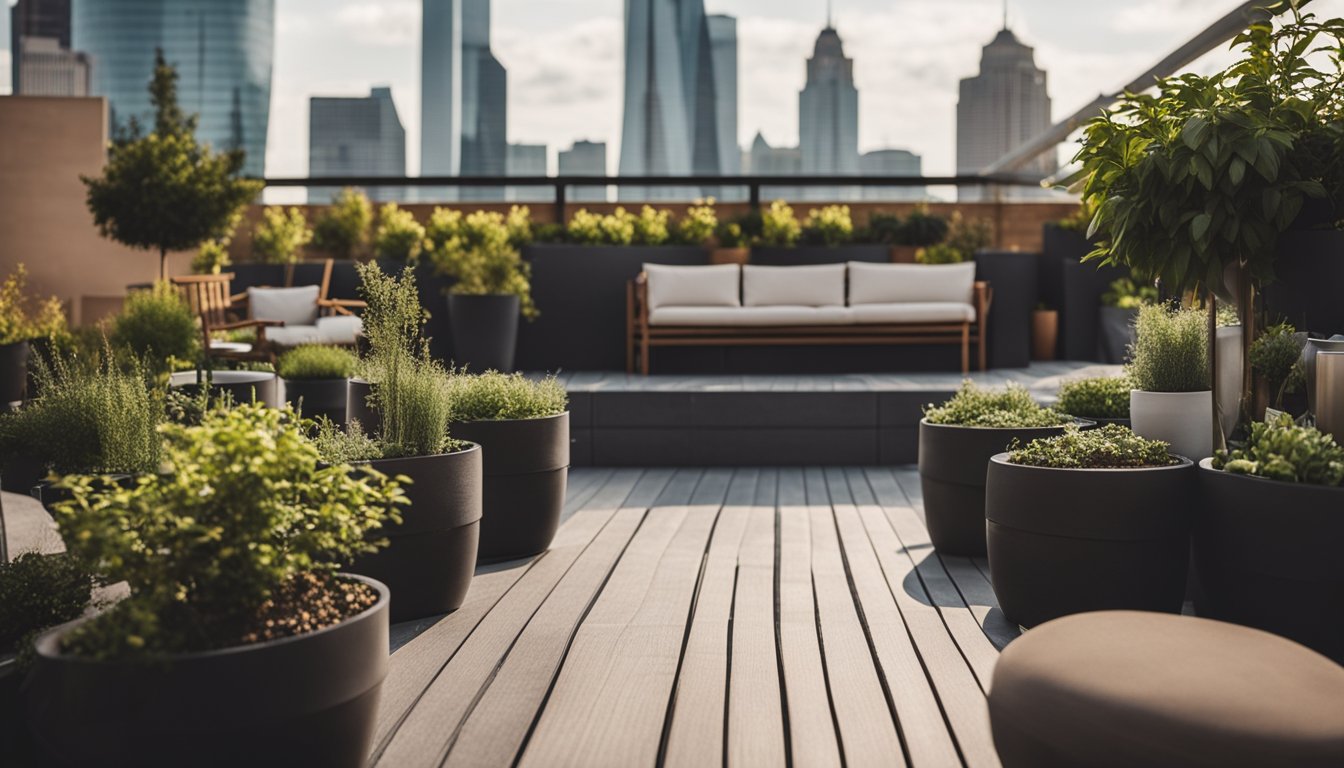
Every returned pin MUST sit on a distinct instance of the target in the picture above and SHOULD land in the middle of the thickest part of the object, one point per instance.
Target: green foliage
(519, 226)
(740, 231)
(1103, 397)
(157, 326)
(345, 446)
(651, 226)
(477, 252)
(1277, 355)
(1011, 407)
(22, 319)
(587, 228)
(700, 224)
(969, 236)
(1109, 447)
(495, 395)
(342, 230)
(1079, 220)
(922, 229)
(778, 225)
(829, 226)
(315, 361)
(1124, 293)
(394, 317)
(939, 253)
(212, 257)
(1170, 352)
(165, 191)
(242, 510)
(39, 591)
(1278, 449)
(549, 232)
(399, 236)
(1206, 172)
(281, 235)
(885, 228)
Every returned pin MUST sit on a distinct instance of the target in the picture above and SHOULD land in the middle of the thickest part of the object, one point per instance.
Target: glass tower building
(222, 49)
(356, 136)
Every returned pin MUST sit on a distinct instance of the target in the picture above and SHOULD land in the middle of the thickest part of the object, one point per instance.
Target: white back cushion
(295, 306)
(902, 283)
(814, 285)
(709, 286)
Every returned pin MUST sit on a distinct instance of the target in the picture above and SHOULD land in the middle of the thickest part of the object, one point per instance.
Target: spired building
(356, 136)
(828, 117)
(222, 50)
(1002, 107)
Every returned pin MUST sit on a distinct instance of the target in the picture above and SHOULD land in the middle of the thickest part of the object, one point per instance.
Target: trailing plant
(494, 395)
(342, 230)
(922, 229)
(22, 318)
(237, 542)
(700, 224)
(476, 252)
(651, 226)
(158, 327)
(399, 236)
(1108, 447)
(1279, 449)
(1170, 352)
(939, 253)
(315, 361)
(39, 591)
(1011, 407)
(969, 236)
(778, 226)
(830, 226)
(1103, 397)
(1276, 354)
(281, 235)
(1124, 293)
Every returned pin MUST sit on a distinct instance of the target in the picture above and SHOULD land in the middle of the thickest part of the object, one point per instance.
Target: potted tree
(280, 238)
(956, 441)
(1090, 520)
(1104, 399)
(522, 426)
(239, 636)
(343, 229)
(1276, 358)
(21, 323)
(1268, 532)
(314, 377)
(1172, 400)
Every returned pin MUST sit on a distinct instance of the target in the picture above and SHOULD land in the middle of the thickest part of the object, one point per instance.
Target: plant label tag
(1272, 414)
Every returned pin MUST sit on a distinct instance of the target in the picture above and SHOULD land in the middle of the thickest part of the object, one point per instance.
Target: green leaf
(1196, 128)
(1236, 171)
(1199, 226)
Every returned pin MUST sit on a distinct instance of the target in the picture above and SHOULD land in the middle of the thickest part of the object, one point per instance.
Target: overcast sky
(564, 61)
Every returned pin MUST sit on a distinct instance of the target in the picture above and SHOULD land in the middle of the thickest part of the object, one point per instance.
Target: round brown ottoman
(1125, 688)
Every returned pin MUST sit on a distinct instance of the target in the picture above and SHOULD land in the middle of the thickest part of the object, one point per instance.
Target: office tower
(222, 50)
(892, 162)
(356, 136)
(585, 158)
(764, 160)
(35, 18)
(526, 160)
(1002, 107)
(47, 69)
(828, 115)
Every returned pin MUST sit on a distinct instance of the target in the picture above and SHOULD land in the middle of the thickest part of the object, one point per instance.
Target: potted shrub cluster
(1172, 400)
(1103, 399)
(314, 377)
(956, 441)
(239, 639)
(522, 426)
(342, 230)
(21, 323)
(1088, 521)
(904, 237)
(1268, 532)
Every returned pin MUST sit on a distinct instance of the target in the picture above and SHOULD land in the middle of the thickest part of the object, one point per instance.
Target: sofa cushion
(293, 335)
(913, 312)
(750, 316)
(696, 286)
(294, 306)
(902, 283)
(814, 285)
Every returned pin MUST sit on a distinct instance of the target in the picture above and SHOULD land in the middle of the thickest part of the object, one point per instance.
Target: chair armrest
(238, 298)
(248, 324)
(984, 296)
(342, 306)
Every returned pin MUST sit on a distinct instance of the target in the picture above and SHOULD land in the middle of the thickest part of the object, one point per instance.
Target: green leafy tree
(343, 229)
(165, 191)
(281, 235)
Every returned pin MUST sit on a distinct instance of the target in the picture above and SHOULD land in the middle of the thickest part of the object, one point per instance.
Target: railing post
(560, 203)
(754, 195)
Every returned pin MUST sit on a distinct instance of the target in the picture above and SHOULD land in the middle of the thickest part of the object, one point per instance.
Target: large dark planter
(243, 386)
(1267, 555)
(318, 397)
(777, 256)
(1012, 275)
(1115, 332)
(307, 700)
(357, 407)
(526, 468)
(952, 465)
(20, 475)
(1065, 541)
(255, 275)
(1309, 270)
(1080, 286)
(431, 556)
(13, 373)
(485, 330)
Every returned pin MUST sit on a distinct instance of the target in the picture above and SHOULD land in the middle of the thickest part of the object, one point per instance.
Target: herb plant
(1008, 408)
(342, 230)
(39, 591)
(315, 361)
(1108, 447)
(494, 395)
(1104, 397)
(1170, 351)
(281, 235)
(1279, 449)
(157, 326)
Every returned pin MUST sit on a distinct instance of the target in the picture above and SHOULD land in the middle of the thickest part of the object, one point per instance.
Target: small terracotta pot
(1044, 334)
(903, 254)
(729, 255)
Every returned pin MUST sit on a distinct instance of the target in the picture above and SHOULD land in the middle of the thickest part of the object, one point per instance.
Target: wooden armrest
(238, 298)
(248, 324)
(350, 303)
(641, 278)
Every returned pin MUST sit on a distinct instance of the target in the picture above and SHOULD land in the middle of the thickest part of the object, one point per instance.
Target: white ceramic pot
(1229, 377)
(1183, 419)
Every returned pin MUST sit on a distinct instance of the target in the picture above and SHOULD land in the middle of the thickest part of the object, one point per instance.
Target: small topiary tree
(281, 235)
(343, 229)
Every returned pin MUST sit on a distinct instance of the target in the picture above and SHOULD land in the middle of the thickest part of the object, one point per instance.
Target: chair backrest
(207, 296)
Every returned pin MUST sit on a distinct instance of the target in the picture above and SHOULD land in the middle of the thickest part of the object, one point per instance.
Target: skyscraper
(222, 50)
(1000, 108)
(723, 45)
(585, 158)
(35, 18)
(892, 162)
(356, 136)
(47, 69)
(526, 160)
(828, 114)
(764, 160)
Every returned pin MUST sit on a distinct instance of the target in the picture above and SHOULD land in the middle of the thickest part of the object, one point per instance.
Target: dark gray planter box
(318, 397)
(1012, 276)
(1115, 332)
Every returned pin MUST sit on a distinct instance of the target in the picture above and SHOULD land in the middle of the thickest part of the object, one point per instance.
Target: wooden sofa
(851, 304)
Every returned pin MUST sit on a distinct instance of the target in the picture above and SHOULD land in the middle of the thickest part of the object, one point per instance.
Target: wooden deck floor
(748, 617)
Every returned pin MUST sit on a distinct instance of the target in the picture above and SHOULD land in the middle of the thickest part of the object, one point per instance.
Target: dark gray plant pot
(1308, 271)
(357, 407)
(431, 557)
(1064, 541)
(306, 700)
(485, 330)
(13, 373)
(1115, 332)
(1267, 555)
(243, 386)
(20, 475)
(1012, 276)
(952, 465)
(318, 397)
(526, 468)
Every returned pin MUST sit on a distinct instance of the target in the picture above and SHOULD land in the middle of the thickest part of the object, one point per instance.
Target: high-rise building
(585, 158)
(764, 160)
(356, 136)
(828, 115)
(892, 162)
(35, 18)
(47, 69)
(526, 160)
(222, 50)
(1004, 106)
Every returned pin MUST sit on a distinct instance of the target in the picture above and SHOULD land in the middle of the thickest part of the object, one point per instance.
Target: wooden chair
(334, 306)
(209, 299)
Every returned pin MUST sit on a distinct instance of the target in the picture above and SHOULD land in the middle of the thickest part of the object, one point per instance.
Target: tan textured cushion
(910, 283)
(749, 316)
(695, 286)
(819, 285)
(922, 312)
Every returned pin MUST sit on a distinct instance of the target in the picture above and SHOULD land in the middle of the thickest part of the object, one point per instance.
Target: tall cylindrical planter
(242, 386)
(1115, 332)
(1267, 555)
(1065, 541)
(305, 700)
(1309, 353)
(431, 557)
(1228, 376)
(952, 465)
(526, 468)
(316, 398)
(1330, 394)
(1184, 420)
(13, 373)
(357, 406)
(485, 330)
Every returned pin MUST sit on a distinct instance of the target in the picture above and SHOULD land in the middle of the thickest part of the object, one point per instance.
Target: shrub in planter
(699, 225)
(1276, 356)
(281, 235)
(522, 426)
(1172, 399)
(399, 237)
(778, 226)
(830, 226)
(158, 327)
(956, 441)
(1104, 399)
(342, 230)
(22, 321)
(315, 379)
(1268, 532)
(1088, 521)
(238, 634)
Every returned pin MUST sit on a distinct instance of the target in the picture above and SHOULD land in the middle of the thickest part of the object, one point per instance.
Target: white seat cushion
(708, 286)
(910, 283)
(750, 316)
(295, 306)
(815, 285)
(914, 312)
(339, 329)
(293, 335)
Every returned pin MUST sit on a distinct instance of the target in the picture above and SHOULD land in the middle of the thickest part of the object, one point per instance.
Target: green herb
(345, 446)
(157, 326)
(1011, 407)
(315, 361)
(1170, 351)
(1104, 397)
(1109, 447)
(1279, 449)
(39, 591)
(494, 395)
(477, 252)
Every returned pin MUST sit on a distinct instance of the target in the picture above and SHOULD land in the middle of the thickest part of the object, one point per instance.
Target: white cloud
(387, 23)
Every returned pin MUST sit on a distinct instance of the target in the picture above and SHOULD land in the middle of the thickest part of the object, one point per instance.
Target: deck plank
(756, 734)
